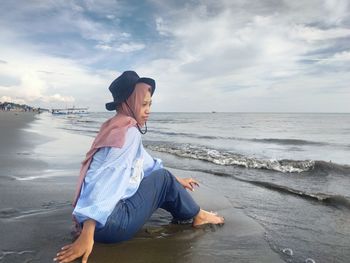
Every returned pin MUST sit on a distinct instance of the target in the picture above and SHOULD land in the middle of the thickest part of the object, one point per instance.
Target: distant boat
(70, 111)
(213, 112)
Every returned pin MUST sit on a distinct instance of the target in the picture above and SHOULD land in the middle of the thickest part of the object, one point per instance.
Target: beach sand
(38, 173)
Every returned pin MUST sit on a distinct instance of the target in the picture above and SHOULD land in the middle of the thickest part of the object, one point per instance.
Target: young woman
(120, 184)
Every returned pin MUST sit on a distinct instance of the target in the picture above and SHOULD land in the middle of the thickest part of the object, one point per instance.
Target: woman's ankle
(200, 215)
(204, 217)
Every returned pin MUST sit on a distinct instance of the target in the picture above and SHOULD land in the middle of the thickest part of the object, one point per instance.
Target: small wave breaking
(228, 158)
(334, 200)
(234, 159)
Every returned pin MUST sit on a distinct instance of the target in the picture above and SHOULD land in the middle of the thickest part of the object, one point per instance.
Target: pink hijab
(112, 132)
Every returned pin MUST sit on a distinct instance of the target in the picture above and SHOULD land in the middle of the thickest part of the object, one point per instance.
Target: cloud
(342, 56)
(123, 48)
(58, 98)
(251, 50)
(49, 81)
(94, 31)
(104, 47)
(337, 10)
(8, 81)
(130, 47)
(337, 57)
(310, 34)
(161, 27)
(77, 29)
(13, 100)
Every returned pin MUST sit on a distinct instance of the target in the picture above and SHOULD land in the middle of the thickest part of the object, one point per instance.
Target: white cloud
(123, 48)
(13, 100)
(111, 17)
(125, 35)
(339, 61)
(130, 47)
(104, 47)
(343, 56)
(93, 30)
(49, 81)
(338, 10)
(161, 27)
(316, 34)
(242, 54)
(59, 98)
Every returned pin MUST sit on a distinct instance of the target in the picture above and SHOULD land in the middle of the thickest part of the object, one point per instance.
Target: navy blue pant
(158, 190)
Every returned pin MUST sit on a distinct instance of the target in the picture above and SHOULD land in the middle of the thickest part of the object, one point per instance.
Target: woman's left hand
(188, 183)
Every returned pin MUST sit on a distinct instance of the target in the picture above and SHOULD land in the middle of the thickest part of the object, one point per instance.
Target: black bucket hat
(123, 86)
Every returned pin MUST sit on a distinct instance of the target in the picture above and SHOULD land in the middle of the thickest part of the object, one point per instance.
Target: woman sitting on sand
(120, 184)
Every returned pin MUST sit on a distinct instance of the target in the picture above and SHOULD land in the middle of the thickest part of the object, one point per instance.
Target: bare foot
(205, 217)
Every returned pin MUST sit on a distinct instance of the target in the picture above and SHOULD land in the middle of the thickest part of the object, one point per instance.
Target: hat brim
(111, 105)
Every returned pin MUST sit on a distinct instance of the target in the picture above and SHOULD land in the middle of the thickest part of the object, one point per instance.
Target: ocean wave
(297, 142)
(336, 200)
(329, 199)
(330, 167)
(228, 158)
(170, 121)
(183, 134)
(289, 141)
(87, 121)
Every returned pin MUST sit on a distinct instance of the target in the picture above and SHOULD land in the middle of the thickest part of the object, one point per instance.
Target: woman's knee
(167, 174)
(160, 172)
(162, 175)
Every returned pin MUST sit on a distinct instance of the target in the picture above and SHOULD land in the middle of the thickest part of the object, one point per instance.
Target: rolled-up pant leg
(158, 190)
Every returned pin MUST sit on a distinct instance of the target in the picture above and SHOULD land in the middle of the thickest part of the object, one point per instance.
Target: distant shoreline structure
(15, 107)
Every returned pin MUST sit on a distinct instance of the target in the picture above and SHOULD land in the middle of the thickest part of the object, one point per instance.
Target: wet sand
(37, 182)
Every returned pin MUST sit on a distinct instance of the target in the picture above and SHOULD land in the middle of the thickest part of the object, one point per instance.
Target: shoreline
(28, 207)
(35, 213)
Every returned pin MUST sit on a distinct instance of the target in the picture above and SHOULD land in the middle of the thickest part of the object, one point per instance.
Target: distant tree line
(10, 106)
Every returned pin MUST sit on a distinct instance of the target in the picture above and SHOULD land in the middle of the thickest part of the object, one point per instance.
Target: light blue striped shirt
(114, 174)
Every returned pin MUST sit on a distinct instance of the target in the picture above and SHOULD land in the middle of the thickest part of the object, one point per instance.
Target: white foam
(288, 251)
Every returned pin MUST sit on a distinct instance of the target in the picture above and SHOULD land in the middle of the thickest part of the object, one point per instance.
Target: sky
(205, 55)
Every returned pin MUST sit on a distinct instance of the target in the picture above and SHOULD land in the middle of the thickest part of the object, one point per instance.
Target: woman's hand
(188, 183)
(80, 247)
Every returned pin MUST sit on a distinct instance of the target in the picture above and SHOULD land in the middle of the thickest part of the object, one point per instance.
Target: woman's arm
(82, 246)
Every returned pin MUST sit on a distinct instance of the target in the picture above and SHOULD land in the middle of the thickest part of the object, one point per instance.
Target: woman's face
(143, 114)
